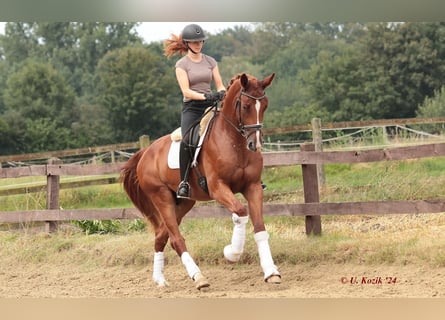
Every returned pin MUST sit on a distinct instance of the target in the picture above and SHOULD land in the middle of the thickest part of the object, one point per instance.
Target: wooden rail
(307, 158)
(354, 125)
(215, 211)
(145, 140)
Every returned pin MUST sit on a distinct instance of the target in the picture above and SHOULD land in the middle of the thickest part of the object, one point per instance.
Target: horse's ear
(244, 80)
(267, 81)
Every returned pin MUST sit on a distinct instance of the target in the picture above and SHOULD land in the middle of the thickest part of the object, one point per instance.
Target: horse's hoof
(274, 279)
(163, 284)
(230, 255)
(201, 282)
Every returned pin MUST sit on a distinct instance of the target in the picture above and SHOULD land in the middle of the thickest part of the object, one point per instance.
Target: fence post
(52, 195)
(311, 193)
(317, 139)
(113, 158)
(144, 141)
(384, 136)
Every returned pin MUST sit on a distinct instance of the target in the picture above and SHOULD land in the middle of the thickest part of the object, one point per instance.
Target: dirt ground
(227, 281)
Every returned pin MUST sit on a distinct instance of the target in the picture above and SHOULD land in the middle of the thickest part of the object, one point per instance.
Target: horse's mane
(233, 80)
(236, 78)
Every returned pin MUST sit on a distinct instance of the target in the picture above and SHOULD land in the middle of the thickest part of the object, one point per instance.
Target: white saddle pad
(173, 155)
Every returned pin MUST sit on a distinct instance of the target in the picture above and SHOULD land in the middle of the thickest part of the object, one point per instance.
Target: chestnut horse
(231, 161)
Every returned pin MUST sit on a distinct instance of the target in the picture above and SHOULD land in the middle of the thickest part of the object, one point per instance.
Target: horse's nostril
(251, 145)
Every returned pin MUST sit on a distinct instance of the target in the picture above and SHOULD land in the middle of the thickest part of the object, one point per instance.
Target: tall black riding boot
(184, 168)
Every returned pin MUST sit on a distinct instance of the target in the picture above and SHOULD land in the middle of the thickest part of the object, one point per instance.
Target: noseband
(246, 130)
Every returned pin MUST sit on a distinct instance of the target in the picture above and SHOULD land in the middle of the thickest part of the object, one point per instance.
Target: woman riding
(195, 72)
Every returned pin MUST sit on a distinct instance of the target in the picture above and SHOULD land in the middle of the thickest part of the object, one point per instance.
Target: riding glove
(215, 96)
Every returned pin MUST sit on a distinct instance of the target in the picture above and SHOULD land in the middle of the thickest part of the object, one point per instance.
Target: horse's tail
(133, 189)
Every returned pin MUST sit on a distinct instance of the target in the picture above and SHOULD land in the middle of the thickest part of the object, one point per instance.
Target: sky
(158, 31)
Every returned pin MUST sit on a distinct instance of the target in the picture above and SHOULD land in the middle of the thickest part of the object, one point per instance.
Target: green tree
(12, 133)
(384, 75)
(93, 126)
(73, 48)
(38, 91)
(402, 68)
(95, 40)
(19, 42)
(40, 99)
(135, 88)
(433, 106)
(296, 58)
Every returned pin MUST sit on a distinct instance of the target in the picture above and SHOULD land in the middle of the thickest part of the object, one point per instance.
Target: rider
(195, 72)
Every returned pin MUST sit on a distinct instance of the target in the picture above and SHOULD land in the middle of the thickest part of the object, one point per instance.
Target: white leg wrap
(158, 269)
(233, 251)
(262, 241)
(190, 265)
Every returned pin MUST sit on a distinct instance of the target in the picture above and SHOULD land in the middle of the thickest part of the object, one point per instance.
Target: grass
(104, 196)
(398, 180)
(378, 240)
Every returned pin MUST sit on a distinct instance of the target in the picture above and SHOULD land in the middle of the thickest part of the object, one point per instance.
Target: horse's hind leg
(171, 215)
(161, 238)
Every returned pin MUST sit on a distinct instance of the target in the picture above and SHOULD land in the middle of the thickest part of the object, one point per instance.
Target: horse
(230, 160)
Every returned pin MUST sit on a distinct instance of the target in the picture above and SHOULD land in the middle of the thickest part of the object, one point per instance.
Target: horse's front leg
(233, 251)
(254, 197)
(222, 193)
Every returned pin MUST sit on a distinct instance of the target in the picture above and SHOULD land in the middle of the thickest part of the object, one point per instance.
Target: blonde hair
(175, 45)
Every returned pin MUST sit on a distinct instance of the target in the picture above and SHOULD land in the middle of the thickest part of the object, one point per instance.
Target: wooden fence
(355, 124)
(309, 159)
(145, 140)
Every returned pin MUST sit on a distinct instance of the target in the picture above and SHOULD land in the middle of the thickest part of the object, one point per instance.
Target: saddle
(176, 135)
(195, 138)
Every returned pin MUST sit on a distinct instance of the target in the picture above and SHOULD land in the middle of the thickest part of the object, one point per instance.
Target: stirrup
(183, 190)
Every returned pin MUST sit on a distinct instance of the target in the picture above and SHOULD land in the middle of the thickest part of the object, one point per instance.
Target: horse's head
(244, 106)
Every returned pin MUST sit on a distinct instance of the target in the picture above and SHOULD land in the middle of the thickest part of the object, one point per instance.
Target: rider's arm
(183, 82)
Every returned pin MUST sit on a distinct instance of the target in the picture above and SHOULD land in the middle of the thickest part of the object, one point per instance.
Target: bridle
(245, 130)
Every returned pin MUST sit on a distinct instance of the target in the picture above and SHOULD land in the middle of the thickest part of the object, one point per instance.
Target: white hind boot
(158, 269)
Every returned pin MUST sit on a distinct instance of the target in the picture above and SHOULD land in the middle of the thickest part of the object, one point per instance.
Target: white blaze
(258, 137)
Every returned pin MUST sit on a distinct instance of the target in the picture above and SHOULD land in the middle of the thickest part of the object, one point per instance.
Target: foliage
(38, 98)
(109, 226)
(433, 106)
(98, 226)
(133, 87)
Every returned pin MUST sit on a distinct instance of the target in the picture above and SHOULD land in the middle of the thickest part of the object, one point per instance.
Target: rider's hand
(214, 96)
(221, 94)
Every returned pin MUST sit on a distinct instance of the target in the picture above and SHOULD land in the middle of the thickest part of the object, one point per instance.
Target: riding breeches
(192, 111)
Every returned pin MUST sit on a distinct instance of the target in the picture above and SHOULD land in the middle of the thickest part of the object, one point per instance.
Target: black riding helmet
(193, 32)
